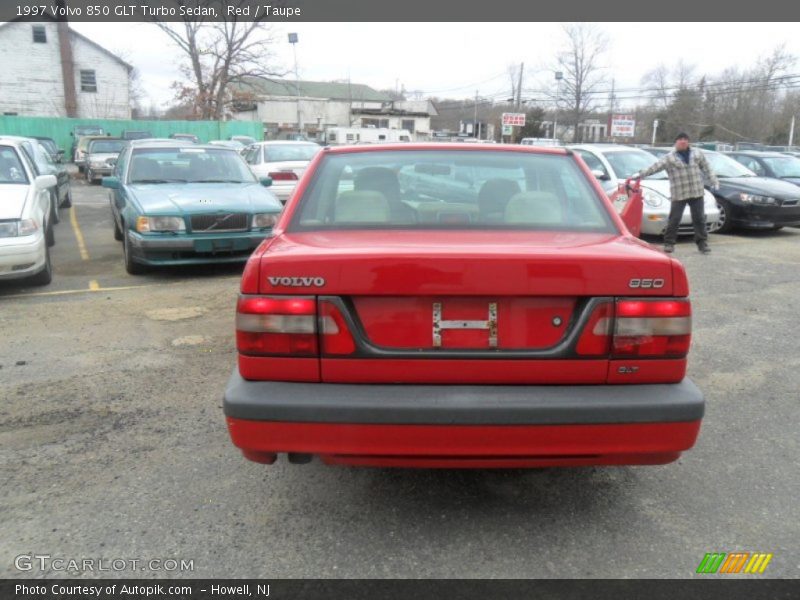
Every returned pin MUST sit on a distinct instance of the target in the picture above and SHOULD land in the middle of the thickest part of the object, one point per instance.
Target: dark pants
(698, 220)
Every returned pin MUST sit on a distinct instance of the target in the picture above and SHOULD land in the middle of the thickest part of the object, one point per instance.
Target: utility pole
(612, 99)
(293, 42)
(519, 85)
(655, 129)
(475, 118)
(559, 77)
(791, 133)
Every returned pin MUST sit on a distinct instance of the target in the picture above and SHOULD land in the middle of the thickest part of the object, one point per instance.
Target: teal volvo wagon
(177, 203)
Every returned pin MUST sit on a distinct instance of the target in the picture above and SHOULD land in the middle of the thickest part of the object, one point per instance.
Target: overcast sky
(456, 59)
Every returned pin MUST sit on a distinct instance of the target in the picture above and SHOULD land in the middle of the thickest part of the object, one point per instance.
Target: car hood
(12, 200)
(761, 186)
(662, 187)
(193, 198)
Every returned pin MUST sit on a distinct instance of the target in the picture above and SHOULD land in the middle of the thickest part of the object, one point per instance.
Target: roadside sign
(514, 119)
(508, 129)
(622, 125)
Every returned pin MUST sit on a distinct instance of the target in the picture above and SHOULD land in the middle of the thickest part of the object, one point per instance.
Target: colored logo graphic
(734, 562)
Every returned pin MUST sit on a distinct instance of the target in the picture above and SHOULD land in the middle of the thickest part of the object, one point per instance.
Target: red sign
(517, 119)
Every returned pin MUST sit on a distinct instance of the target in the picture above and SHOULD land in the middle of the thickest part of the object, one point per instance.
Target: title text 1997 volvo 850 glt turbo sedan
(443, 305)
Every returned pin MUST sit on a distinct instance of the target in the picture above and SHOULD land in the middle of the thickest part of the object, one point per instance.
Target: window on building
(39, 34)
(88, 81)
(408, 125)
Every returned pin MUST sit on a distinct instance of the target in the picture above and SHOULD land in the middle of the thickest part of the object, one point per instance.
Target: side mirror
(265, 181)
(601, 175)
(111, 182)
(42, 182)
(633, 210)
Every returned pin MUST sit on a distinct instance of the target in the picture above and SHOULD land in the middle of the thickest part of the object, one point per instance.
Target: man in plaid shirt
(685, 168)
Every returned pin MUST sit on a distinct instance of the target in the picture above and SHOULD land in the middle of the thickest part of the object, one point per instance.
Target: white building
(319, 105)
(90, 81)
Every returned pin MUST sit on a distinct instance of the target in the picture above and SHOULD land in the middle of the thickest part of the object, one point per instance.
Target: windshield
(42, 155)
(50, 146)
(188, 165)
(783, 166)
(287, 152)
(625, 163)
(11, 170)
(438, 189)
(107, 146)
(725, 166)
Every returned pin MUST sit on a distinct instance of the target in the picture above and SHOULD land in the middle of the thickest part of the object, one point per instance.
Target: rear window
(110, 146)
(288, 152)
(11, 169)
(437, 189)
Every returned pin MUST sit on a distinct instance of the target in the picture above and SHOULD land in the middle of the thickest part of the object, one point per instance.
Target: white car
(282, 161)
(612, 164)
(26, 228)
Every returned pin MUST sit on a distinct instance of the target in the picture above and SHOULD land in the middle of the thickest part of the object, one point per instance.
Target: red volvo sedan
(438, 305)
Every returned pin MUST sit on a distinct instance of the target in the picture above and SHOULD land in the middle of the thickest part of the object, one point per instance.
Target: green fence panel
(60, 129)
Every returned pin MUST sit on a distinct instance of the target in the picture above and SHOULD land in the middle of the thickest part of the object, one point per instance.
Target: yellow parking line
(73, 219)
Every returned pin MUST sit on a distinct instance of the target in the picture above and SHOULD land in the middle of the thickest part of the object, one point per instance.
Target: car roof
(167, 143)
(757, 153)
(431, 146)
(110, 139)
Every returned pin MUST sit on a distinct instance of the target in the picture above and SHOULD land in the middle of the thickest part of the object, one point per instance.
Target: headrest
(361, 207)
(534, 208)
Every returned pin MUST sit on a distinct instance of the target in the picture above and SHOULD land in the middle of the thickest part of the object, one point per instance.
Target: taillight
(276, 325)
(596, 337)
(283, 176)
(336, 337)
(652, 327)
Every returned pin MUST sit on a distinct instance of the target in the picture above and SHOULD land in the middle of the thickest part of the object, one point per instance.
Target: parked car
(129, 134)
(245, 140)
(80, 131)
(42, 164)
(658, 151)
(283, 162)
(561, 338)
(56, 153)
(612, 164)
(540, 142)
(770, 164)
(183, 203)
(186, 137)
(82, 147)
(752, 202)
(26, 226)
(101, 155)
(234, 144)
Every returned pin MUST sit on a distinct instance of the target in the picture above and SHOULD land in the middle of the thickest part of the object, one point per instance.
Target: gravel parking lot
(113, 443)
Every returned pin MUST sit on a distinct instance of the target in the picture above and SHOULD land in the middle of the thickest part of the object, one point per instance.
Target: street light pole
(293, 42)
(559, 77)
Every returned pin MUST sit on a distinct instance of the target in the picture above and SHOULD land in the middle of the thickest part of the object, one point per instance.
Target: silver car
(283, 161)
(612, 164)
(101, 156)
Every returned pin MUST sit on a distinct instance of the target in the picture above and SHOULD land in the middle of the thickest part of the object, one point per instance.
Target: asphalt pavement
(113, 442)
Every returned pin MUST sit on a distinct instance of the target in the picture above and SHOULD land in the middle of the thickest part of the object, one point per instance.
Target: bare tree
(581, 63)
(223, 60)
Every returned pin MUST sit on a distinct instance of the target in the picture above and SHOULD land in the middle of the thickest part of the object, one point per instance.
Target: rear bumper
(476, 426)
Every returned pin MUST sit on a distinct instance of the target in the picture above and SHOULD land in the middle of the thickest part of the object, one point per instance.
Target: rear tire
(117, 230)
(49, 235)
(45, 276)
(54, 217)
(68, 200)
(89, 177)
(132, 267)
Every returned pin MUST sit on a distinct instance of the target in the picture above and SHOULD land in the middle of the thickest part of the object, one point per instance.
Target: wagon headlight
(755, 199)
(264, 220)
(653, 198)
(154, 224)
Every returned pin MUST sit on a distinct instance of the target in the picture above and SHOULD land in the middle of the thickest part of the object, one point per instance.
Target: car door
(117, 196)
(42, 197)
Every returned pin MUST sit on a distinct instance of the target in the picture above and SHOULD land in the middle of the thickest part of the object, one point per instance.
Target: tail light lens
(277, 325)
(596, 337)
(283, 176)
(336, 337)
(652, 327)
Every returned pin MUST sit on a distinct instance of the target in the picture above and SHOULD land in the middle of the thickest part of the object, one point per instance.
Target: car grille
(219, 222)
